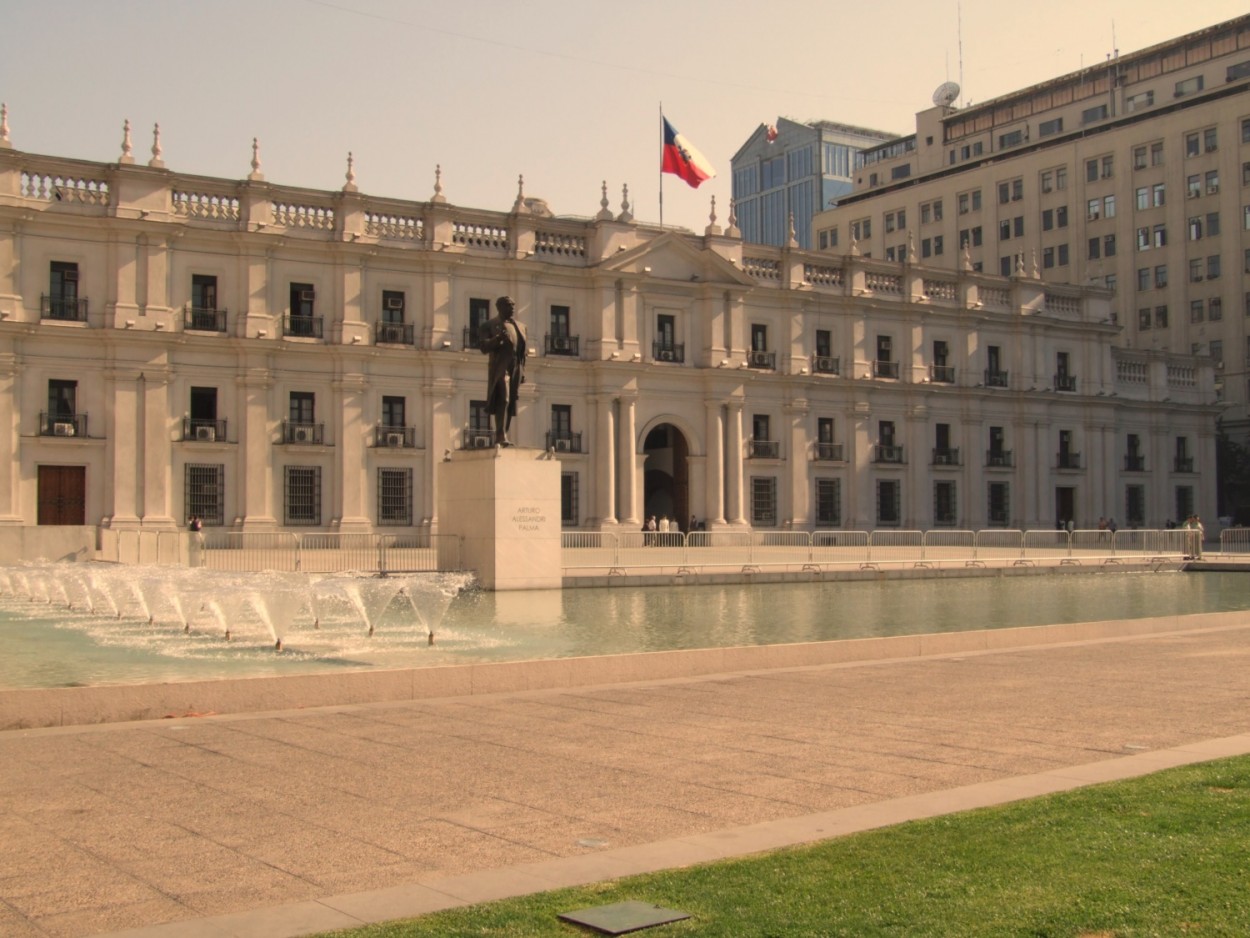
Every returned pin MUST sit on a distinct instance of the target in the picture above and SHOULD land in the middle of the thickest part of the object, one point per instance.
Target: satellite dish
(946, 93)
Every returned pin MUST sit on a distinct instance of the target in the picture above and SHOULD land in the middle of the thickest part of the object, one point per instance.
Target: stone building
(273, 358)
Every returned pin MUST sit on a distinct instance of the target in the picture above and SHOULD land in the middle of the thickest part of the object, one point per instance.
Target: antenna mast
(959, 26)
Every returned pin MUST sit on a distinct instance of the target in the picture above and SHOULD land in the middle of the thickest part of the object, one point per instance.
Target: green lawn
(1164, 855)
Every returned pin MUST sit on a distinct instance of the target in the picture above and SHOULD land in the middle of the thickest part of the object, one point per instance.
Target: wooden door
(62, 495)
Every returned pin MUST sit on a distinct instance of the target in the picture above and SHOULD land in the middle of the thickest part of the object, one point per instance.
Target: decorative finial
(4, 126)
(156, 147)
(966, 259)
(256, 173)
(911, 247)
(127, 147)
(712, 227)
(519, 205)
(625, 215)
(350, 184)
(605, 213)
(438, 184)
(1037, 275)
(733, 230)
(1020, 264)
(792, 241)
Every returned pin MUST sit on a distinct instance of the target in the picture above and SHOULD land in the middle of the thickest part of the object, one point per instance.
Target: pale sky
(564, 92)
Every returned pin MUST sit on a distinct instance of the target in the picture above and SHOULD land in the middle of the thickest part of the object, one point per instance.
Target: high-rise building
(1132, 174)
(794, 169)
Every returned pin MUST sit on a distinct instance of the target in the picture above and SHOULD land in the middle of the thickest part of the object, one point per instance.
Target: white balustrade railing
(394, 227)
(205, 205)
(290, 215)
(52, 187)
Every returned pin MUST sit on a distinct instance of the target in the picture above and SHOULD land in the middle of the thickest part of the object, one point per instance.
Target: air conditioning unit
(481, 441)
(564, 446)
(560, 343)
(61, 428)
(307, 296)
(665, 355)
(69, 276)
(394, 302)
(394, 439)
(302, 435)
(207, 434)
(761, 359)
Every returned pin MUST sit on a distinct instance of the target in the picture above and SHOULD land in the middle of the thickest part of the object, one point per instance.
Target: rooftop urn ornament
(1037, 275)
(625, 215)
(350, 184)
(4, 126)
(792, 241)
(127, 147)
(712, 227)
(256, 174)
(156, 160)
(518, 207)
(1020, 264)
(965, 260)
(911, 247)
(605, 213)
(733, 230)
(438, 184)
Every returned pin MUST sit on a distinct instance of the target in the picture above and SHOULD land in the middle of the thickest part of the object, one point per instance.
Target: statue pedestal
(504, 504)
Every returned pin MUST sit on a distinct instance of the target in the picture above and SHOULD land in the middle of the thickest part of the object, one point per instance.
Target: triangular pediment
(671, 257)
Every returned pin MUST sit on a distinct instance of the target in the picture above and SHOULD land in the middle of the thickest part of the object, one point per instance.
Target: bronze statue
(504, 340)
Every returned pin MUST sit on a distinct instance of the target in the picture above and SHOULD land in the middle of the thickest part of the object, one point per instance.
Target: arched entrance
(666, 476)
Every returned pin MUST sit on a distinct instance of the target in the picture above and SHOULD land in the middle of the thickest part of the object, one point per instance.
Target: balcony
(561, 345)
(826, 365)
(1183, 464)
(304, 327)
(68, 425)
(1065, 382)
(995, 379)
(303, 433)
(887, 453)
(564, 441)
(829, 452)
(393, 333)
(1000, 459)
(1068, 461)
(942, 374)
(668, 351)
(203, 319)
(63, 308)
(203, 430)
(946, 456)
(478, 438)
(883, 369)
(758, 358)
(763, 449)
(1134, 463)
(387, 436)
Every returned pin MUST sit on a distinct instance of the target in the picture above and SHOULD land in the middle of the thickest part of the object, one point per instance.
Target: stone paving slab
(294, 822)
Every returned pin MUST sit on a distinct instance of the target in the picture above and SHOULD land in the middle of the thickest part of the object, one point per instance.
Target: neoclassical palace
(271, 358)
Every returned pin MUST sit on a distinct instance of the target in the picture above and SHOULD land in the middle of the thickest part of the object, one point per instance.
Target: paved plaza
(287, 823)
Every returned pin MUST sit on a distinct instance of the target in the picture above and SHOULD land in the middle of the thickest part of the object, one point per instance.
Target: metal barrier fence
(1235, 541)
(620, 552)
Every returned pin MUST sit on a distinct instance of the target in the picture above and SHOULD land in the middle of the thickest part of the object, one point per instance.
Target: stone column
(439, 395)
(257, 452)
(714, 505)
(353, 475)
(156, 506)
(800, 515)
(125, 444)
(861, 480)
(10, 481)
(604, 456)
(626, 452)
(733, 463)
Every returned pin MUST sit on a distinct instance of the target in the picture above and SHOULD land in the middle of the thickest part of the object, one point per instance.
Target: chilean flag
(682, 159)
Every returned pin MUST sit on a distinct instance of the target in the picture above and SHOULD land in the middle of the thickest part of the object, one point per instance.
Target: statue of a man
(503, 339)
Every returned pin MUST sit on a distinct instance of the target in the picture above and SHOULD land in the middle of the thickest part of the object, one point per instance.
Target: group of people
(653, 531)
(1194, 523)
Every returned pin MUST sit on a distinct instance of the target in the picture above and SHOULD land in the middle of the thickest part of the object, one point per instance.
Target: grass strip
(1167, 854)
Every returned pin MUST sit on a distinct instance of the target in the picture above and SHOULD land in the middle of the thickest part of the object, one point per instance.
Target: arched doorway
(666, 476)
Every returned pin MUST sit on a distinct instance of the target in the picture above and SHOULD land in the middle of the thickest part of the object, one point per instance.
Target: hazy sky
(564, 92)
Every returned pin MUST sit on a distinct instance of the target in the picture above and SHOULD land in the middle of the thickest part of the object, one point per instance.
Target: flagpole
(661, 164)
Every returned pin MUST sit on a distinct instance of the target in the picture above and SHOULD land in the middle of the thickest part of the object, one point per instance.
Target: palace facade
(272, 358)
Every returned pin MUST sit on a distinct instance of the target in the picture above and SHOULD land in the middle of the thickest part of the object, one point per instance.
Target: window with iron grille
(569, 511)
(1184, 502)
(301, 495)
(395, 497)
(206, 493)
(829, 503)
(1135, 505)
(764, 500)
(999, 508)
(889, 503)
(944, 510)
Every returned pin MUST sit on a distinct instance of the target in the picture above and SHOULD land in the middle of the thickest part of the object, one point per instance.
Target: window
(1195, 270)
(203, 294)
(559, 322)
(760, 428)
(1005, 265)
(944, 505)
(395, 497)
(1159, 236)
(1193, 186)
(1157, 195)
(1048, 258)
(1093, 209)
(479, 313)
(1143, 238)
(1091, 114)
(1050, 128)
(206, 493)
(1135, 505)
(393, 302)
(1012, 139)
(1048, 219)
(861, 230)
(829, 503)
(759, 337)
(1161, 317)
(1138, 101)
(1213, 224)
(302, 407)
(1143, 319)
(1193, 144)
(824, 343)
(1108, 245)
(1213, 267)
(1062, 255)
(1017, 226)
(393, 411)
(570, 515)
(1107, 166)
(302, 495)
(999, 507)
(1094, 250)
(1195, 310)
(1139, 158)
(1061, 178)
(1188, 86)
(1212, 180)
(203, 411)
(1156, 153)
(62, 301)
(1142, 196)
(1143, 278)
(1108, 206)
(1210, 140)
(889, 503)
(772, 173)
(1215, 311)
(970, 236)
(1161, 276)
(764, 500)
(561, 422)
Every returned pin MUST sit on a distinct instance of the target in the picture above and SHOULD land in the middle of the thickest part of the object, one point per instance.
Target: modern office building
(277, 358)
(1132, 174)
(794, 169)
